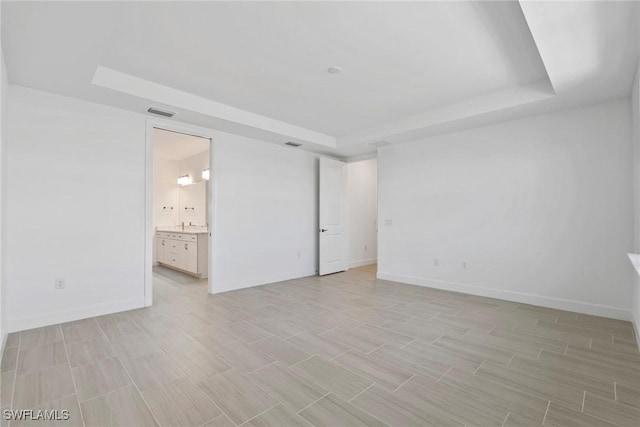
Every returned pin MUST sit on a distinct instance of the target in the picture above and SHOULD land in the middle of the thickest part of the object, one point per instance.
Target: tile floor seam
(340, 366)
(341, 354)
(304, 360)
(73, 379)
(546, 412)
(403, 383)
(212, 419)
(404, 346)
(222, 411)
(246, 374)
(511, 360)
(380, 346)
(505, 419)
(461, 336)
(446, 372)
(315, 401)
(155, 418)
(474, 372)
(354, 397)
(257, 415)
(15, 375)
(370, 414)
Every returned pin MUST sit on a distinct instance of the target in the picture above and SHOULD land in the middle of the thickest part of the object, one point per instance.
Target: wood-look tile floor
(341, 350)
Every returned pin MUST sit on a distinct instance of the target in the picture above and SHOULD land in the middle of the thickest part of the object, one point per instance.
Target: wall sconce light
(184, 180)
(205, 174)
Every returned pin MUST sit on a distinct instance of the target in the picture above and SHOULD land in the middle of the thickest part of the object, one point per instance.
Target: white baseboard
(24, 323)
(362, 263)
(541, 300)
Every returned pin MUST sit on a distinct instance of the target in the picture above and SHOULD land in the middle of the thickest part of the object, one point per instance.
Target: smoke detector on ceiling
(160, 112)
(334, 69)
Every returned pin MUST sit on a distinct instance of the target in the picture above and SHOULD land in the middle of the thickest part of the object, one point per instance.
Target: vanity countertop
(185, 231)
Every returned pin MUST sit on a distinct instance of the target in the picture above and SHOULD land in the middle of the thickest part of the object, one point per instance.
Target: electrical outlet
(388, 222)
(299, 254)
(436, 262)
(60, 283)
(465, 265)
(365, 248)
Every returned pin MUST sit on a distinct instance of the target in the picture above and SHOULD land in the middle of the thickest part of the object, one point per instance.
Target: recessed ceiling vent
(159, 112)
(379, 144)
(292, 144)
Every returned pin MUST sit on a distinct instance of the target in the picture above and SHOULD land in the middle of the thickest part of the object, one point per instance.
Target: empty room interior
(332, 214)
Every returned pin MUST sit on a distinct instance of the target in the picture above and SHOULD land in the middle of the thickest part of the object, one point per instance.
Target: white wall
(265, 219)
(3, 141)
(362, 202)
(165, 195)
(539, 208)
(165, 192)
(635, 112)
(74, 208)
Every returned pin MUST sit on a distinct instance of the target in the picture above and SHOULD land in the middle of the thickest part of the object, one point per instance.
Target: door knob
(322, 230)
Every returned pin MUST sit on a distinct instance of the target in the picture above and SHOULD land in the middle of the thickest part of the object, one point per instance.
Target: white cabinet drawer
(173, 260)
(172, 246)
(184, 237)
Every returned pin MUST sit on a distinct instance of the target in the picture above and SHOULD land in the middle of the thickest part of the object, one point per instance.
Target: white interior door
(332, 216)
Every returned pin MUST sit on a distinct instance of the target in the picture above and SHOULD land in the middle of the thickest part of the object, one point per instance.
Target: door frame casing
(174, 126)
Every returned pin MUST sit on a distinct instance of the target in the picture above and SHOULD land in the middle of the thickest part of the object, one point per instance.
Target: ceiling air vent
(159, 112)
(292, 144)
(379, 144)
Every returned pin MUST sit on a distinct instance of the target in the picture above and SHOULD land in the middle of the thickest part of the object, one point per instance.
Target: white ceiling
(411, 69)
(272, 58)
(177, 146)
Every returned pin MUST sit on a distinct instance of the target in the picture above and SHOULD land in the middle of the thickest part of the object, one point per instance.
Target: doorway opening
(179, 211)
(347, 215)
(362, 207)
